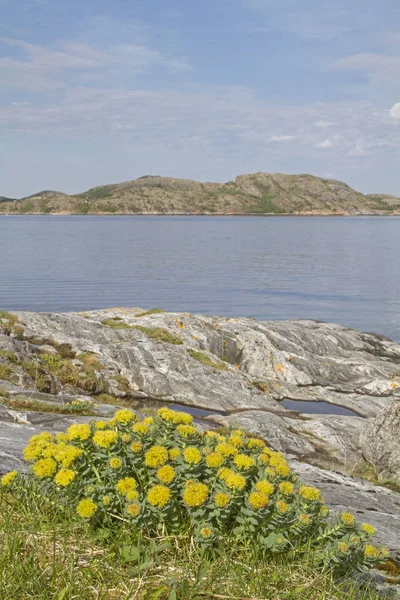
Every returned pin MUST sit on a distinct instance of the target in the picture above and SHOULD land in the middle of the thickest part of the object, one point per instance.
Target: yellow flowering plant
(163, 471)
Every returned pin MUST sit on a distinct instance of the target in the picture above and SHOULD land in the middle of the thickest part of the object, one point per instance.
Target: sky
(103, 91)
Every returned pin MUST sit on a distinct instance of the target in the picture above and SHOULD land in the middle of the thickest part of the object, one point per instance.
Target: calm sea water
(345, 270)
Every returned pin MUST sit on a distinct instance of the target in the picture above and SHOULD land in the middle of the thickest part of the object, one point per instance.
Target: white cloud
(325, 144)
(395, 111)
(377, 66)
(45, 68)
(281, 138)
(323, 124)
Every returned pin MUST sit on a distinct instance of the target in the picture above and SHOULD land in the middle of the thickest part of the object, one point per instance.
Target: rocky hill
(258, 193)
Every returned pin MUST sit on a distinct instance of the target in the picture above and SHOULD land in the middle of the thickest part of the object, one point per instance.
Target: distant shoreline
(105, 214)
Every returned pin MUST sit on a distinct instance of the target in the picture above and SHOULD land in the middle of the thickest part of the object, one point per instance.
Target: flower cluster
(163, 470)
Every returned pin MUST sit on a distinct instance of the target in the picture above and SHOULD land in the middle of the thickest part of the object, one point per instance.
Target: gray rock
(380, 442)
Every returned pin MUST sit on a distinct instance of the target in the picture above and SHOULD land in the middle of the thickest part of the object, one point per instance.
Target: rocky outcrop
(257, 193)
(234, 369)
(380, 442)
(253, 374)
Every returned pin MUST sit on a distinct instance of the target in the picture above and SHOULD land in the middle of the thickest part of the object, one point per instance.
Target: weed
(160, 335)
(207, 361)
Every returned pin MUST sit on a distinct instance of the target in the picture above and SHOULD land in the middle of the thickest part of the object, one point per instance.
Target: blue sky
(95, 92)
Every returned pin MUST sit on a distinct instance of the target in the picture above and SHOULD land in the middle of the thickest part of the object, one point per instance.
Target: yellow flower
(226, 449)
(286, 488)
(192, 455)
(368, 529)
(156, 456)
(324, 511)
(186, 430)
(222, 500)
(236, 440)
(86, 508)
(195, 494)
(136, 447)
(105, 439)
(282, 507)
(125, 485)
(159, 495)
(125, 416)
(134, 509)
(270, 472)
(304, 519)
(79, 431)
(141, 428)
(214, 460)
(283, 470)
(67, 454)
(370, 552)
(342, 547)
(347, 519)
(61, 437)
(224, 473)
(126, 438)
(265, 487)
(206, 532)
(255, 443)
(174, 453)
(244, 462)
(211, 434)
(106, 500)
(64, 477)
(264, 458)
(45, 467)
(100, 424)
(9, 478)
(276, 458)
(258, 500)
(148, 421)
(235, 481)
(384, 552)
(132, 495)
(115, 462)
(310, 493)
(166, 474)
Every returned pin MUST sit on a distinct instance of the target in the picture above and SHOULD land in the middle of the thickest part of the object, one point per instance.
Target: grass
(47, 407)
(365, 470)
(9, 323)
(116, 323)
(7, 374)
(262, 386)
(46, 554)
(160, 335)
(152, 311)
(204, 359)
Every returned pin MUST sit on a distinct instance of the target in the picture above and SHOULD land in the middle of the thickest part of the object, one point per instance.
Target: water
(345, 270)
(318, 408)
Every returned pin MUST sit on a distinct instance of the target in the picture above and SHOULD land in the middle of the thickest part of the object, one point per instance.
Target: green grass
(7, 374)
(160, 335)
(9, 322)
(47, 554)
(47, 407)
(365, 470)
(116, 323)
(152, 311)
(206, 360)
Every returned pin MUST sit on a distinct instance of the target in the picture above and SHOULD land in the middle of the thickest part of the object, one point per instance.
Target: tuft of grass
(365, 470)
(10, 323)
(7, 374)
(160, 335)
(207, 361)
(262, 386)
(152, 311)
(4, 393)
(45, 553)
(116, 323)
(46, 407)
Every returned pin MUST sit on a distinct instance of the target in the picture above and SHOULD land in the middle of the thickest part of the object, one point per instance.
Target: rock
(380, 442)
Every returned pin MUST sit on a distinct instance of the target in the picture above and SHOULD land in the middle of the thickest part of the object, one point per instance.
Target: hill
(258, 193)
